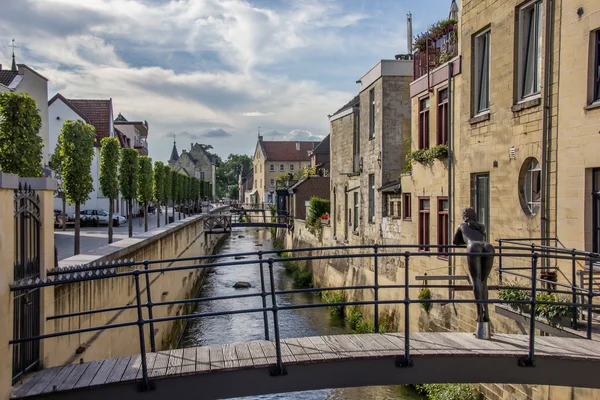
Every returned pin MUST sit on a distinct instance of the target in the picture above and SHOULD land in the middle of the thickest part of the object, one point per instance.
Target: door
(596, 210)
(480, 199)
(346, 217)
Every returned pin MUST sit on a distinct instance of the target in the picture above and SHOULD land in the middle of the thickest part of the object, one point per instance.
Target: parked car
(101, 216)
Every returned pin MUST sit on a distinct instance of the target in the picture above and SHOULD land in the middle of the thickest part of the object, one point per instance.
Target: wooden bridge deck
(241, 369)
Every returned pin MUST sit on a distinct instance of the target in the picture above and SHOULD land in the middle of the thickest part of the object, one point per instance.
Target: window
(291, 167)
(281, 167)
(371, 198)
(442, 117)
(356, 147)
(355, 211)
(407, 211)
(372, 113)
(530, 186)
(481, 72)
(202, 175)
(530, 49)
(480, 198)
(272, 167)
(596, 66)
(261, 183)
(392, 205)
(596, 210)
(272, 182)
(424, 123)
(260, 167)
(442, 223)
(424, 207)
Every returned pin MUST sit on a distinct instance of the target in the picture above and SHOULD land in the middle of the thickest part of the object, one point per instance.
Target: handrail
(375, 252)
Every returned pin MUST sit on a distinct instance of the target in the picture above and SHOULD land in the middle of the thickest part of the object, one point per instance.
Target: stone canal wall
(185, 238)
(440, 318)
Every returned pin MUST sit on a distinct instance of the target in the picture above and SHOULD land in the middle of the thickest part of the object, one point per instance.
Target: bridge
(278, 364)
(226, 218)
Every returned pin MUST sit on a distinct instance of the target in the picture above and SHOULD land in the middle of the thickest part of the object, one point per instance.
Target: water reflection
(247, 327)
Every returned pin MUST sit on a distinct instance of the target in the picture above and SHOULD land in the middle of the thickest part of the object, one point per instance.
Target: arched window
(530, 186)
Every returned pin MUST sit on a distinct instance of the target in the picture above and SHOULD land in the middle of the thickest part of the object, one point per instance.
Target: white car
(101, 216)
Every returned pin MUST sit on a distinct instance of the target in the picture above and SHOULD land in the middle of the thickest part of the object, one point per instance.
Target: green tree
(233, 192)
(109, 182)
(229, 170)
(174, 189)
(195, 193)
(145, 185)
(55, 164)
(20, 143)
(128, 180)
(158, 188)
(76, 152)
(181, 192)
(167, 190)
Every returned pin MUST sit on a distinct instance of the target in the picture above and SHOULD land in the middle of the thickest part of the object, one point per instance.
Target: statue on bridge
(472, 234)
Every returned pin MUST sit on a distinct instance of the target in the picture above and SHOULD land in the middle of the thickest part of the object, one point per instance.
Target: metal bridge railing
(143, 270)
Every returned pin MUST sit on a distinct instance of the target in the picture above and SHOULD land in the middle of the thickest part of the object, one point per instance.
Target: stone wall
(181, 239)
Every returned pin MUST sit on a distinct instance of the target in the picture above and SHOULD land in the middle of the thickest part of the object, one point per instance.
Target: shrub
(334, 297)
(353, 317)
(442, 391)
(303, 278)
(425, 294)
(317, 208)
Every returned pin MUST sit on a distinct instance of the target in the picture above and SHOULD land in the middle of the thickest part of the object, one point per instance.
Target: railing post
(263, 294)
(405, 361)
(529, 361)
(590, 300)
(376, 289)
(500, 261)
(277, 369)
(145, 385)
(573, 289)
(150, 305)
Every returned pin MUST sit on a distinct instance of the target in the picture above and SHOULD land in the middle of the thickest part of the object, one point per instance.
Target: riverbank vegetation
(303, 278)
(446, 391)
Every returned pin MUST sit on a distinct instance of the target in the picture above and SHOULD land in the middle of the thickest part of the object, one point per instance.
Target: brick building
(302, 191)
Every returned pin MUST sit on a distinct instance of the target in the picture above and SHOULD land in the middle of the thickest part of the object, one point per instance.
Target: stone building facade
(273, 159)
(369, 135)
(197, 163)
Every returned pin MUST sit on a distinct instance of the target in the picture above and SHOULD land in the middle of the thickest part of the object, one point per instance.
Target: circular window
(530, 186)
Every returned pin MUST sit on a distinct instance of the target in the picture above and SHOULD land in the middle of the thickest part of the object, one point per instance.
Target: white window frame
(529, 35)
(481, 42)
(281, 167)
(291, 167)
(534, 171)
(272, 167)
(202, 175)
(272, 182)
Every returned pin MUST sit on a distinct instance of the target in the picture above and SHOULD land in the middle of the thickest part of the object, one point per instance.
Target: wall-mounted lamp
(379, 159)
(495, 163)
(580, 12)
(360, 165)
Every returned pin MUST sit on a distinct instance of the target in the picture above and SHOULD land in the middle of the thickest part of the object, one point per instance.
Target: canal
(247, 327)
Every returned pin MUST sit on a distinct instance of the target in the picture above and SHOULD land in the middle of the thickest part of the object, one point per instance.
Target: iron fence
(268, 260)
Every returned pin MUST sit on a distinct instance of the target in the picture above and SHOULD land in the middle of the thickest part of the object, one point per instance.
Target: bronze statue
(472, 234)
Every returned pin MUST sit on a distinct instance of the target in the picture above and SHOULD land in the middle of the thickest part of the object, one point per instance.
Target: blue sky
(212, 71)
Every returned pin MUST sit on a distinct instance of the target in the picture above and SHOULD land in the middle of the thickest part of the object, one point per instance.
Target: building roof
(174, 153)
(323, 147)
(95, 112)
(355, 102)
(7, 76)
(287, 151)
(120, 118)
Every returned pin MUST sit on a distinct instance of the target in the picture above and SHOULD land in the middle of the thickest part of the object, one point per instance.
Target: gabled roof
(323, 147)
(355, 102)
(210, 157)
(122, 138)
(94, 112)
(287, 151)
(7, 76)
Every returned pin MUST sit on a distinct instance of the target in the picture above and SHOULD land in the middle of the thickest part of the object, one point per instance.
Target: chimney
(409, 34)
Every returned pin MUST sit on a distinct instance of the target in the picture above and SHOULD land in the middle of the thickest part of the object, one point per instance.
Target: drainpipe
(547, 122)
(450, 198)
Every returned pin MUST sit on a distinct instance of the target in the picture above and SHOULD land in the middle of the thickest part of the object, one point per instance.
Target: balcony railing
(434, 54)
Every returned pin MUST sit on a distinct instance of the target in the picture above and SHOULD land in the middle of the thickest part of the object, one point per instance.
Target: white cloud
(256, 114)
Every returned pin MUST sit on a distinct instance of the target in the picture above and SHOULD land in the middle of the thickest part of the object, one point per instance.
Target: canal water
(247, 327)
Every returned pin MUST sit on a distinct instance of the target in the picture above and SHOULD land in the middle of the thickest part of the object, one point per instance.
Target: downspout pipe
(450, 142)
(547, 122)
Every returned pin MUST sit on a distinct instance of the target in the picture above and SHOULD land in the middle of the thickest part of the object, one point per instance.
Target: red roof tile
(98, 112)
(288, 151)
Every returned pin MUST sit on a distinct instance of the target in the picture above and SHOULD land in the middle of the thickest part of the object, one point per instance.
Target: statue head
(469, 214)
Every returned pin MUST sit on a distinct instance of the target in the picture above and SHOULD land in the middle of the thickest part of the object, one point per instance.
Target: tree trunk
(167, 212)
(64, 212)
(130, 220)
(77, 228)
(179, 211)
(111, 206)
(145, 217)
(173, 210)
(158, 214)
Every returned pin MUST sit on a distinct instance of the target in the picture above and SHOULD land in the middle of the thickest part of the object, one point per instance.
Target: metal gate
(26, 322)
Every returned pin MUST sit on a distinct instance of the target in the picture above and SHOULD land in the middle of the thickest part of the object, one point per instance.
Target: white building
(98, 113)
(23, 79)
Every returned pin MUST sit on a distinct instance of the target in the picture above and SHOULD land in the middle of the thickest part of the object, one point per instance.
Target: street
(93, 238)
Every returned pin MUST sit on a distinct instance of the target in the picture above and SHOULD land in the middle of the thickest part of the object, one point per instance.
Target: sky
(212, 71)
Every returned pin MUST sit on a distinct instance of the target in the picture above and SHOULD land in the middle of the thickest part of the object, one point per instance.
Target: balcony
(435, 47)
(141, 145)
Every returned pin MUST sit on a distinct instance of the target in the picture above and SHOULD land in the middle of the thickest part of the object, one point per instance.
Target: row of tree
(121, 171)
